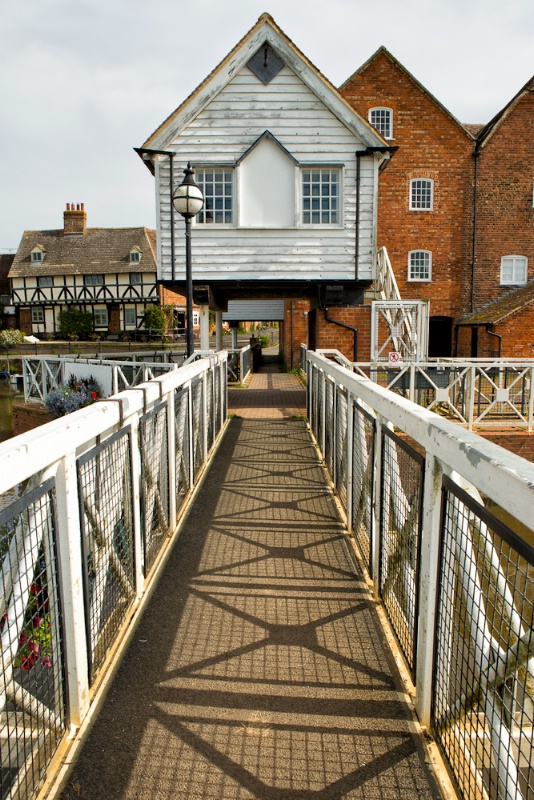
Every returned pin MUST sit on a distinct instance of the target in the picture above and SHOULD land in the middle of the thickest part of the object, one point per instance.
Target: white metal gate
(401, 328)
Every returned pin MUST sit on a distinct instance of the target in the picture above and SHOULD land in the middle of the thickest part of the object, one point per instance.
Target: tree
(154, 320)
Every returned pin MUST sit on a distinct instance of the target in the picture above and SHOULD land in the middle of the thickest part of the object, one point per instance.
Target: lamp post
(188, 200)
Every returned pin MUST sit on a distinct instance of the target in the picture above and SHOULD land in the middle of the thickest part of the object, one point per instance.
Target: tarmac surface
(259, 668)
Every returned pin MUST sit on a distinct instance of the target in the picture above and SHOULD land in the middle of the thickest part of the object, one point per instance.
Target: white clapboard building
(289, 173)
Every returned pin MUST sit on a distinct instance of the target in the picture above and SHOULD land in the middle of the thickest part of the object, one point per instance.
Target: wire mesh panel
(105, 493)
(32, 704)
(483, 713)
(400, 530)
(182, 447)
(198, 426)
(363, 436)
(217, 400)
(155, 482)
(340, 476)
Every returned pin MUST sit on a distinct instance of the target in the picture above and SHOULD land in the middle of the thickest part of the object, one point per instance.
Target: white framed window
(100, 317)
(514, 270)
(44, 280)
(130, 317)
(419, 265)
(217, 186)
(421, 194)
(37, 256)
(135, 256)
(136, 278)
(321, 196)
(94, 280)
(382, 119)
(37, 314)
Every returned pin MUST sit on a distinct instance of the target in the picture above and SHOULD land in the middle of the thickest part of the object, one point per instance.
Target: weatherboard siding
(220, 134)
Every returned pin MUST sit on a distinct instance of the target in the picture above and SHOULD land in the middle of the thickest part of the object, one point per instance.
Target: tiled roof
(486, 132)
(98, 250)
(474, 129)
(499, 309)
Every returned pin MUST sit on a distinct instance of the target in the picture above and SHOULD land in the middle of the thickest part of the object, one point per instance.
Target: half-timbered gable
(289, 173)
(90, 269)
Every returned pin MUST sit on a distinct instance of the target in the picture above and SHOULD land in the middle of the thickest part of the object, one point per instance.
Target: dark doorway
(440, 337)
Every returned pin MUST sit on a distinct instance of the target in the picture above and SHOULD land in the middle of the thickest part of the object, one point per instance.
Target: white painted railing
(43, 374)
(469, 392)
(456, 582)
(104, 488)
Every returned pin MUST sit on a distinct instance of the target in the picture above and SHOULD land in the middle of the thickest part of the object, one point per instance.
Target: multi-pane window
(94, 280)
(382, 120)
(421, 194)
(419, 265)
(217, 186)
(514, 269)
(135, 257)
(135, 278)
(320, 196)
(37, 314)
(37, 256)
(44, 280)
(101, 317)
(129, 316)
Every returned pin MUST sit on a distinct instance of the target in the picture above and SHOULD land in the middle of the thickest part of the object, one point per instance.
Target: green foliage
(10, 337)
(155, 319)
(75, 324)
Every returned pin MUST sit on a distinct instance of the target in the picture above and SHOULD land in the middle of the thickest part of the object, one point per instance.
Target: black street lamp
(188, 200)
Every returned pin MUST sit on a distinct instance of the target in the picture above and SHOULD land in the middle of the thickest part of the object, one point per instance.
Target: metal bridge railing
(89, 503)
(468, 392)
(456, 582)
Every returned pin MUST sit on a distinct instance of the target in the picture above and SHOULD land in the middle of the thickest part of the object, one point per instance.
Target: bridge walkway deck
(259, 668)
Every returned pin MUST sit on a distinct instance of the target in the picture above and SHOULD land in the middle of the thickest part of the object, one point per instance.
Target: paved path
(270, 394)
(258, 669)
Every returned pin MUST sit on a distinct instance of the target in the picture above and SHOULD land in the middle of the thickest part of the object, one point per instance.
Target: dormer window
(37, 255)
(382, 120)
(135, 256)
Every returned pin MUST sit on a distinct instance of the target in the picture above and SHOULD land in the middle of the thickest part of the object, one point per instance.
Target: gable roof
(488, 130)
(98, 250)
(265, 31)
(384, 51)
(505, 306)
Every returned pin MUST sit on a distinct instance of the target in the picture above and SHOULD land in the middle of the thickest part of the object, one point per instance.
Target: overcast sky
(83, 82)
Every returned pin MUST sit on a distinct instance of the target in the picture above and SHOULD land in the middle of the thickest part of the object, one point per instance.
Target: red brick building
(425, 211)
(502, 316)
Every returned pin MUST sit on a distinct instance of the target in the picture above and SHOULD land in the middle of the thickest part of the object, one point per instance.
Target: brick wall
(432, 145)
(505, 214)
(294, 331)
(26, 417)
(330, 336)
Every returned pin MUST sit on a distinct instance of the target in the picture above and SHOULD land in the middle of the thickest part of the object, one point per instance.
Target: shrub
(154, 319)
(10, 337)
(75, 324)
(76, 393)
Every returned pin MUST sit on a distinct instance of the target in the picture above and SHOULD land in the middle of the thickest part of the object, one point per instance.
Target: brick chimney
(74, 220)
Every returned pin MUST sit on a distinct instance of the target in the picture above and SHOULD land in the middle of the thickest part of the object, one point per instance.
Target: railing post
(191, 433)
(471, 398)
(136, 506)
(71, 580)
(350, 457)
(428, 581)
(171, 458)
(205, 416)
(377, 507)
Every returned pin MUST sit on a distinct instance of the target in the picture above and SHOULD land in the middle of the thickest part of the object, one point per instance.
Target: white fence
(456, 582)
(92, 500)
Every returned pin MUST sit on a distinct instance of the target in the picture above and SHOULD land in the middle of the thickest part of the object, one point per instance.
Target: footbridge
(286, 591)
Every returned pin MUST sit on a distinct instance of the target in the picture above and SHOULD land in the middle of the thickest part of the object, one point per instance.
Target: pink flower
(37, 620)
(22, 638)
(47, 661)
(34, 646)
